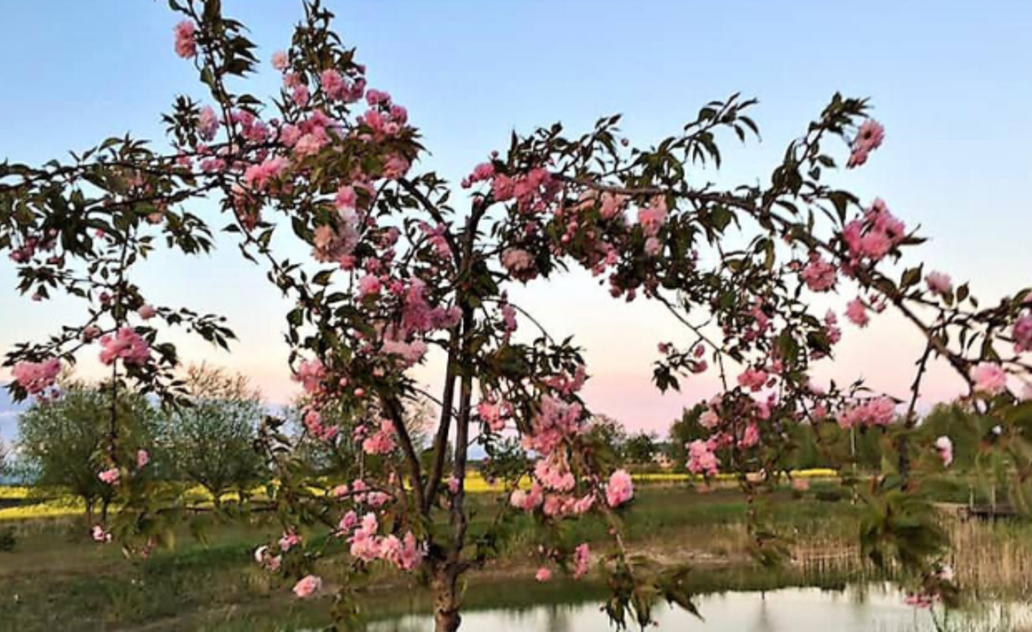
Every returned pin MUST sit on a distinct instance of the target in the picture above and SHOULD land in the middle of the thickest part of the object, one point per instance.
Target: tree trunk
(446, 602)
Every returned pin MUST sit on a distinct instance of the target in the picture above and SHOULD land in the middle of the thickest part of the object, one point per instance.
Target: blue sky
(951, 81)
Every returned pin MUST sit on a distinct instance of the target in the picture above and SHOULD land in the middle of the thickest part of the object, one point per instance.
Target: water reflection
(866, 609)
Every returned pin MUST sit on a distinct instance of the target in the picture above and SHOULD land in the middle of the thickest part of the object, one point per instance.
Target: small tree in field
(641, 448)
(211, 441)
(401, 263)
(64, 441)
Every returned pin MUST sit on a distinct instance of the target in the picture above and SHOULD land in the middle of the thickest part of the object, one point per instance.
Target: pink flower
(701, 459)
(1022, 334)
(373, 97)
(332, 84)
(395, 167)
(279, 60)
(142, 459)
(869, 138)
(381, 441)
(348, 522)
(939, 283)
(519, 263)
(751, 437)
(289, 540)
(620, 488)
(110, 476)
(581, 560)
(307, 586)
(186, 45)
(453, 485)
(877, 411)
(311, 373)
(709, 419)
(36, 377)
(652, 246)
(369, 285)
(90, 333)
(300, 95)
(989, 378)
(346, 198)
(207, 123)
(543, 574)
(147, 312)
(944, 447)
(753, 379)
(819, 275)
(652, 217)
(857, 313)
(99, 535)
(127, 345)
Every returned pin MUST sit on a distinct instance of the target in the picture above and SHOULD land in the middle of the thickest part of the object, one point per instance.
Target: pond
(867, 609)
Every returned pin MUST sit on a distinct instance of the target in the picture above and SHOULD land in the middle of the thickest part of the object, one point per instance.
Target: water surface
(866, 609)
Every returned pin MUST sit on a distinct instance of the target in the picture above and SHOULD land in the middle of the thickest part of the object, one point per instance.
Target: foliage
(211, 440)
(401, 265)
(67, 441)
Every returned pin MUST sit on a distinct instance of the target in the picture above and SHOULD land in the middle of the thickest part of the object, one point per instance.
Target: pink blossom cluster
(312, 420)
(553, 472)
(381, 441)
(338, 87)
(494, 411)
(1022, 333)
(519, 263)
(307, 586)
(404, 553)
(554, 421)
(186, 42)
(127, 345)
(533, 191)
(702, 459)
(258, 176)
(620, 488)
(207, 124)
(581, 560)
(311, 373)
(337, 243)
(868, 138)
(110, 476)
(871, 237)
(555, 505)
(289, 540)
(435, 235)
(989, 378)
(754, 379)
(37, 377)
(856, 312)
(819, 275)
(876, 411)
(652, 217)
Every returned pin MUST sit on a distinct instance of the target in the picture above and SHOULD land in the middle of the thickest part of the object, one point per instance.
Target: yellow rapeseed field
(475, 484)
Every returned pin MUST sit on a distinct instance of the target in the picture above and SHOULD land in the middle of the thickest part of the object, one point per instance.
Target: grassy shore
(56, 579)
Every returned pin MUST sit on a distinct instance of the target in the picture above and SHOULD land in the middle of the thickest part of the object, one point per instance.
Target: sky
(950, 80)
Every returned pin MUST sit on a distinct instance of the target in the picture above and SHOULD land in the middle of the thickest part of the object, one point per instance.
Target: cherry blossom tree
(400, 264)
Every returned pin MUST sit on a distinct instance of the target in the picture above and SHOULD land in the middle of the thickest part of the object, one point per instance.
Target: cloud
(9, 414)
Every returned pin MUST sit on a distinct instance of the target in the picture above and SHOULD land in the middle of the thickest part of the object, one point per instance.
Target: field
(55, 578)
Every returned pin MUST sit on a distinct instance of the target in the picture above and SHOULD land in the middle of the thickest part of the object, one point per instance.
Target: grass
(57, 579)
